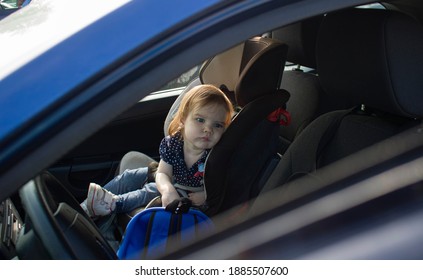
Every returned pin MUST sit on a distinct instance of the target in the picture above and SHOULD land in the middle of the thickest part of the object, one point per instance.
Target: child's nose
(207, 128)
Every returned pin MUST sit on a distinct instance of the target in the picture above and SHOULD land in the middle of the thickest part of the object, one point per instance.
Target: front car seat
(300, 79)
(366, 59)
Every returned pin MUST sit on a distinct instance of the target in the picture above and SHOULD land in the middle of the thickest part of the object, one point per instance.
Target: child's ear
(180, 126)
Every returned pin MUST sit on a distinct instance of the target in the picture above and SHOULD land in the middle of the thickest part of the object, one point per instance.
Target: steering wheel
(56, 227)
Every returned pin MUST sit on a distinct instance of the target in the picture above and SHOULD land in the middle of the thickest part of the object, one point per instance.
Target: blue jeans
(132, 189)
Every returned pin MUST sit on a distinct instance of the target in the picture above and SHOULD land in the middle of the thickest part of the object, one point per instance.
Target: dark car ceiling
(412, 7)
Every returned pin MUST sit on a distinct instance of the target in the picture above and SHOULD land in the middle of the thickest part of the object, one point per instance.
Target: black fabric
(358, 131)
(303, 103)
(301, 39)
(148, 233)
(178, 206)
(307, 99)
(229, 178)
(262, 74)
(330, 131)
(375, 60)
(302, 156)
(248, 148)
(252, 47)
(356, 66)
(247, 166)
(256, 48)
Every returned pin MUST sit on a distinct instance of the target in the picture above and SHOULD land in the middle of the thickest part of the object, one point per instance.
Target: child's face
(204, 127)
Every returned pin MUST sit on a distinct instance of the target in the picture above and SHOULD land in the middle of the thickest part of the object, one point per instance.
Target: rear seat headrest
(301, 39)
(372, 57)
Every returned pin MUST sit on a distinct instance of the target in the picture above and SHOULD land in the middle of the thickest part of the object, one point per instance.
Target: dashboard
(10, 227)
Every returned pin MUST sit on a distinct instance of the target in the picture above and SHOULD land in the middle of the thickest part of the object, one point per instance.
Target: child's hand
(197, 198)
(168, 197)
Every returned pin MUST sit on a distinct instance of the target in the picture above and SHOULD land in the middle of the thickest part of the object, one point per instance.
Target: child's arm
(164, 183)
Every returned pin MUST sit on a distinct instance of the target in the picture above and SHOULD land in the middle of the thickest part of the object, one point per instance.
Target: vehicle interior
(323, 154)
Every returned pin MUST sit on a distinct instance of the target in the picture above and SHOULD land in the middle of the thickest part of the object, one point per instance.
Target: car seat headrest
(245, 64)
(251, 69)
(263, 72)
(223, 69)
(301, 39)
(372, 57)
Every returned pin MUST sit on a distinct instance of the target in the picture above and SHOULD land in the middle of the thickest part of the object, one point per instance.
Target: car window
(184, 79)
(372, 6)
(9, 6)
(13, 4)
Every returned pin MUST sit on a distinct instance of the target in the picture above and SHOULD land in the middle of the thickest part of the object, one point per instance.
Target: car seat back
(300, 78)
(361, 57)
(248, 150)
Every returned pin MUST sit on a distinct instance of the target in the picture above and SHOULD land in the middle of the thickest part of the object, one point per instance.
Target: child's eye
(200, 120)
(218, 125)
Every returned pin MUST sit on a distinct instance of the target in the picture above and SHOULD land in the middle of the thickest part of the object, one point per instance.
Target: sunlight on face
(204, 127)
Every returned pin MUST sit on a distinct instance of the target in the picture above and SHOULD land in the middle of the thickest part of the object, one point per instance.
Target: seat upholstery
(383, 52)
(301, 39)
(248, 149)
(361, 57)
(307, 97)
